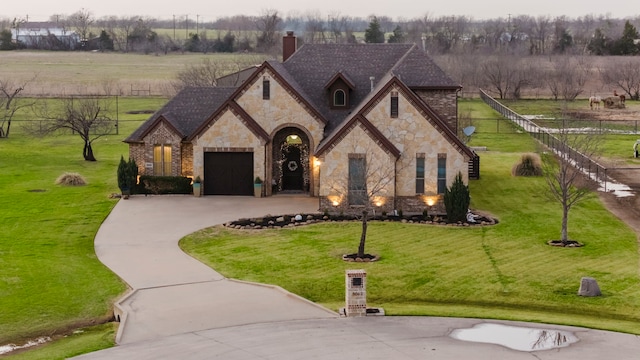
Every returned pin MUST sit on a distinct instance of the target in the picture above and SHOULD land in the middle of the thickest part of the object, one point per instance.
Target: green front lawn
(504, 271)
(50, 278)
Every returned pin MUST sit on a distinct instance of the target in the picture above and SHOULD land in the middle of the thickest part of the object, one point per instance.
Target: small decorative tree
(127, 175)
(456, 200)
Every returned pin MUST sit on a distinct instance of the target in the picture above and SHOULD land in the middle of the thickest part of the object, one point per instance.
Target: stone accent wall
(419, 203)
(281, 110)
(413, 133)
(228, 132)
(334, 172)
(445, 103)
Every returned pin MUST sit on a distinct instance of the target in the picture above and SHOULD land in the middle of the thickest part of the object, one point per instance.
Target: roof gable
(341, 76)
(360, 114)
(239, 112)
(369, 128)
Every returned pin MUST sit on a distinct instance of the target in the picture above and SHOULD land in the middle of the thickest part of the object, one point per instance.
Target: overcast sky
(41, 10)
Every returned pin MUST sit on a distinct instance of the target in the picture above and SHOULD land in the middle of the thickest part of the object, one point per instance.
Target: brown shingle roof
(186, 111)
(314, 65)
(307, 73)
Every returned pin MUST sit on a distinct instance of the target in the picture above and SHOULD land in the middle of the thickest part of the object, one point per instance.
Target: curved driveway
(180, 308)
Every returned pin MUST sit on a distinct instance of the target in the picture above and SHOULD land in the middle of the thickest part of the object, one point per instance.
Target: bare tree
(371, 173)
(204, 74)
(337, 24)
(566, 183)
(623, 73)
(507, 75)
(81, 21)
(315, 28)
(86, 116)
(207, 73)
(567, 77)
(10, 104)
(268, 24)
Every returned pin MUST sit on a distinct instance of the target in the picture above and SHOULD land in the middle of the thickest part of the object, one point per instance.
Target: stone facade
(414, 135)
(379, 173)
(228, 133)
(284, 113)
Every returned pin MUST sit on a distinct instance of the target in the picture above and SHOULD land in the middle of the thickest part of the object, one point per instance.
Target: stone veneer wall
(281, 110)
(227, 134)
(415, 135)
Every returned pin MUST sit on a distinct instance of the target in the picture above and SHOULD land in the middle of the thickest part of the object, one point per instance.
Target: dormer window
(339, 88)
(339, 98)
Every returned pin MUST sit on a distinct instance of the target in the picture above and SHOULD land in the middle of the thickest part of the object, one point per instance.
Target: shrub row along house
(353, 124)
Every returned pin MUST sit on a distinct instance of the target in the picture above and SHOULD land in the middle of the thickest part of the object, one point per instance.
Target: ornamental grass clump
(529, 165)
(71, 179)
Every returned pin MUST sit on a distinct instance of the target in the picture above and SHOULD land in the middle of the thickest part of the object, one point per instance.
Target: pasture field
(66, 73)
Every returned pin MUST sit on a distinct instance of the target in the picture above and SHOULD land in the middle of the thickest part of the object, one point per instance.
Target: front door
(292, 170)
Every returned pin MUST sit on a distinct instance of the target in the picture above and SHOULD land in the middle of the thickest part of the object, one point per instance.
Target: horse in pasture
(594, 100)
(622, 97)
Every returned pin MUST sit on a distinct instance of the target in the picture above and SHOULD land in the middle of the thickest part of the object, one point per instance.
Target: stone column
(356, 293)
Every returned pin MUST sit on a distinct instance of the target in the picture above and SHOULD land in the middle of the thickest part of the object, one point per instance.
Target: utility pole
(174, 27)
(186, 32)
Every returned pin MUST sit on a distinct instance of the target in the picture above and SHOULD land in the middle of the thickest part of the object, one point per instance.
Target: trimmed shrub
(71, 179)
(164, 185)
(456, 200)
(529, 165)
(127, 175)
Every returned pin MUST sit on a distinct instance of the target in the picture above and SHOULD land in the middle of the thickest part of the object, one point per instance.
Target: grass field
(51, 279)
(65, 73)
(504, 271)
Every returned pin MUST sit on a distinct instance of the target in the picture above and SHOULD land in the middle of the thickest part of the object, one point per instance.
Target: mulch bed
(284, 221)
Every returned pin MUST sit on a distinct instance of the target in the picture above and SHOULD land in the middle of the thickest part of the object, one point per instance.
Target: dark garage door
(228, 173)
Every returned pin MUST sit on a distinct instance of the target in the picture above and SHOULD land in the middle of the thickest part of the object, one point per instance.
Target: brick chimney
(289, 45)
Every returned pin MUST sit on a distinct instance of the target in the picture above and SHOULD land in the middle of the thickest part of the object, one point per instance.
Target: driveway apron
(171, 292)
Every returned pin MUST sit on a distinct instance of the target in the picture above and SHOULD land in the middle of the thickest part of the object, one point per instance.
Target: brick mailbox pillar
(356, 293)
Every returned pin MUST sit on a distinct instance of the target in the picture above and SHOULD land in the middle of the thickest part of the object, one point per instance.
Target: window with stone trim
(162, 160)
(394, 104)
(442, 173)
(266, 89)
(420, 173)
(357, 180)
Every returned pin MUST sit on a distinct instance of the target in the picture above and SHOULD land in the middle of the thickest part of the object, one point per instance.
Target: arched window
(339, 98)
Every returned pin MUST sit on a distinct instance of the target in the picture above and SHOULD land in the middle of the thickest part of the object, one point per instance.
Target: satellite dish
(469, 130)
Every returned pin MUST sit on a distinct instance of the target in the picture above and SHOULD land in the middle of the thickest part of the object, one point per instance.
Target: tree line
(519, 35)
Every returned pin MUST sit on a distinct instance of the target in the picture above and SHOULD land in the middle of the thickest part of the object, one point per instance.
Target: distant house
(44, 35)
(332, 121)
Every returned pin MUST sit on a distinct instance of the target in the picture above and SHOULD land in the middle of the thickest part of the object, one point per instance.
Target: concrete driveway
(180, 308)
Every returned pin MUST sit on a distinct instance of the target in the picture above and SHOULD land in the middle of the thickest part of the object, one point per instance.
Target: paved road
(179, 308)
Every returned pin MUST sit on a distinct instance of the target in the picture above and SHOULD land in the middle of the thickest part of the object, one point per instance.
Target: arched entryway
(290, 166)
